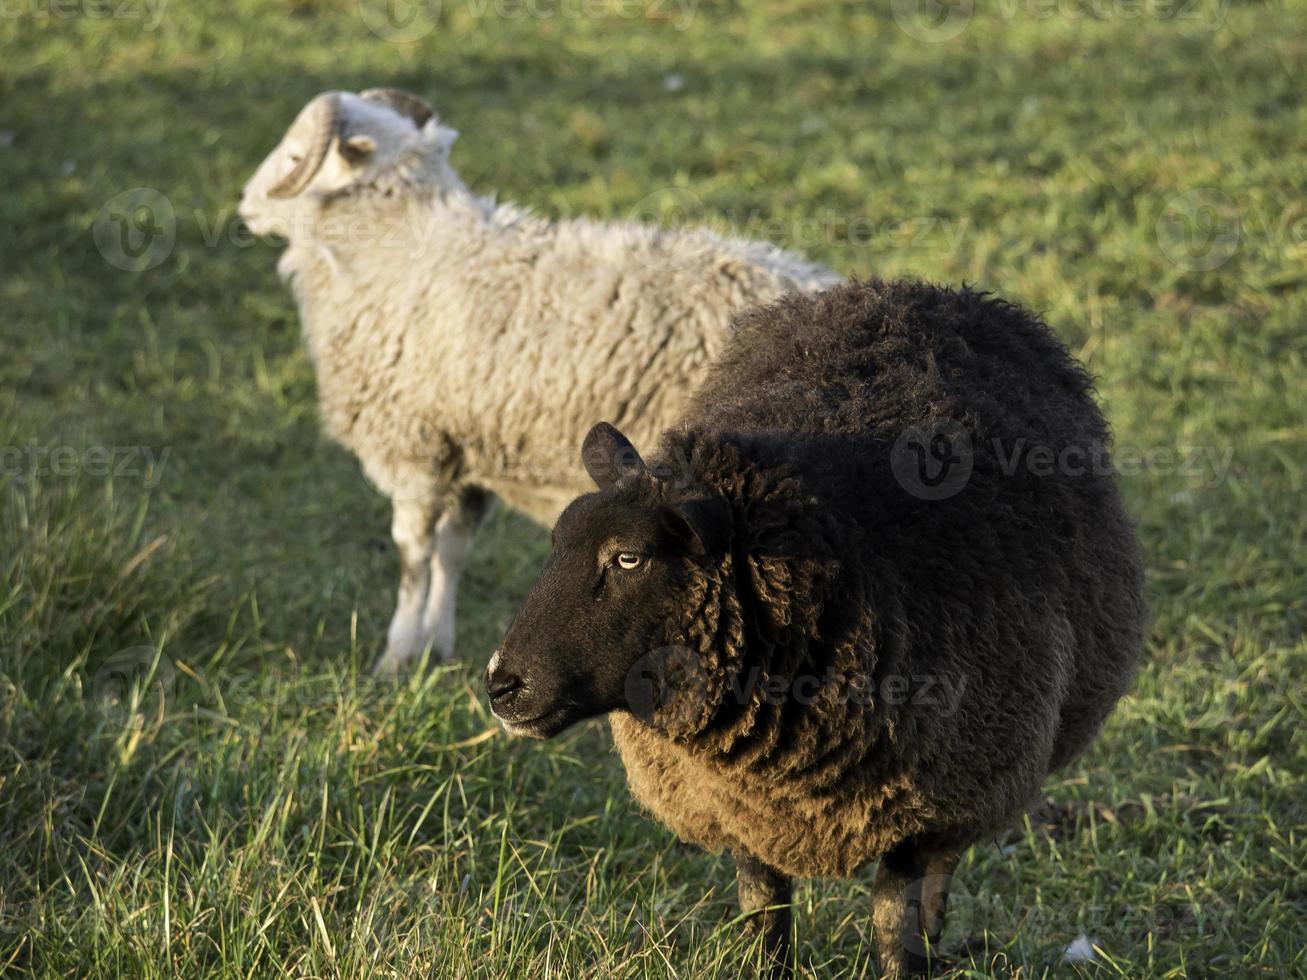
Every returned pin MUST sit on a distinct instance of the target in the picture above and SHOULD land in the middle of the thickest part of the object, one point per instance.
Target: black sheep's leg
(765, 898)
(908, 904)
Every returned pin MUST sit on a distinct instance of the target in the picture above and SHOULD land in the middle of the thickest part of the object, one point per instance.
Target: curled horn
(325, 116)
(405, 103)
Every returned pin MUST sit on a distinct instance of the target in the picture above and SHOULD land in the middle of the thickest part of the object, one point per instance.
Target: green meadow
(197, 775)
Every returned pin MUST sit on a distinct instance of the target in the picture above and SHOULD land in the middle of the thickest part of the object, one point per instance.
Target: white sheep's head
(339, 140)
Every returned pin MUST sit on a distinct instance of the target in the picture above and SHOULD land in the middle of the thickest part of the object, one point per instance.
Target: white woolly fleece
(481, 343)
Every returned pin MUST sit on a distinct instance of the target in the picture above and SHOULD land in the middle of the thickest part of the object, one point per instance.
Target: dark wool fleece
(994, 629)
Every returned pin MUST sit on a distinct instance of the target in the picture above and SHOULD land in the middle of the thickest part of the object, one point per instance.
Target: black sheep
(875, 587)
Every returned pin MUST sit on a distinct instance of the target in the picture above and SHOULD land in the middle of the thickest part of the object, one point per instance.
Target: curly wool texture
(890, 667)
(474, 341)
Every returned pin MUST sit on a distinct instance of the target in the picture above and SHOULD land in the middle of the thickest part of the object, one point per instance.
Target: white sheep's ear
(358, 148)
(442, 136)
(608, 455)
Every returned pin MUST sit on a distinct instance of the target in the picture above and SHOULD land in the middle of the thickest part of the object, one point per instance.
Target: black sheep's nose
(500, 682)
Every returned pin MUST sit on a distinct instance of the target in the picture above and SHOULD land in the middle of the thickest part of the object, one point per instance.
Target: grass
(196, 779)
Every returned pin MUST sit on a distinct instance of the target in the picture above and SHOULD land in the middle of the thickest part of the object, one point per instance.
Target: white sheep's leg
(412, 526)
(455, 533)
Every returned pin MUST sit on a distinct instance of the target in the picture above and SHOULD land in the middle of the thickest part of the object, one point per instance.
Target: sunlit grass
(196, 778)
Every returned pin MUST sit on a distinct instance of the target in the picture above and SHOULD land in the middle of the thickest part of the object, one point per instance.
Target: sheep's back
(1019, 587)
(490, 352)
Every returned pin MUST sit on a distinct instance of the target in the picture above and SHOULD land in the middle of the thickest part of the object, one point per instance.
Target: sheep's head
(339, 140)
(630, 611)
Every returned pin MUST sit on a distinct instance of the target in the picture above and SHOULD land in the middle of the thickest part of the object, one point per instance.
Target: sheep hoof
(389, 666)
(398, 662)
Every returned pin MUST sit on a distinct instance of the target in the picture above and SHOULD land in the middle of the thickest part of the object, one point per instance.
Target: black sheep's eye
(629, 560)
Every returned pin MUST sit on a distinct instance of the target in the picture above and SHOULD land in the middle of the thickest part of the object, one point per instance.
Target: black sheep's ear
(703, 523)
(608, 455)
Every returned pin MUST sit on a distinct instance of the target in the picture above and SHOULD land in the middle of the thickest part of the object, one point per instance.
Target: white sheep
(464, 347)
